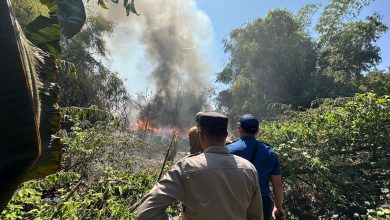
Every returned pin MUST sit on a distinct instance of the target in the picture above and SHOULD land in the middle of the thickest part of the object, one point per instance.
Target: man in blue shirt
(264, 158)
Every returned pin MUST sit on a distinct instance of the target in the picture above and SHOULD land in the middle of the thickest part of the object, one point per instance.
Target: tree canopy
(92, 82)
(271, 60)
(276, 60)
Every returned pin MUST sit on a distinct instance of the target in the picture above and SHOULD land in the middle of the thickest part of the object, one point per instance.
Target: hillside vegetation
(335, 161)
(323, 102)
(335, 158)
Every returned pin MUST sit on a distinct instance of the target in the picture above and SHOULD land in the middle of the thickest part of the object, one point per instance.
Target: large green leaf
(49, 162)
(19, 137)
(29, 113)
(44, 32)
(66, 19)
(51, 5)
(51, 152)
(71, 16)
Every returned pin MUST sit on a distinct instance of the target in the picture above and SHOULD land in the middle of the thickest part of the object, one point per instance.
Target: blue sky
(224, 16)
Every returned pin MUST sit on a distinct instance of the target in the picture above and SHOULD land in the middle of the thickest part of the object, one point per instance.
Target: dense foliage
(335, 162)
(110, 197)
(335, 155)
(85, 78)
(277, 59)
(28, 10)
(271, 61)
(92, 83)
(335, 158)
(105, 171)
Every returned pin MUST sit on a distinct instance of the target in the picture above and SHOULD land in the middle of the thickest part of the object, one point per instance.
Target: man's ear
(239, 130)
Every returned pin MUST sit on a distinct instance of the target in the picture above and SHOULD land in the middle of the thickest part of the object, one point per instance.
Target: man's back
(261, 155)
(264, 158)
(212, 185)
(220, 185)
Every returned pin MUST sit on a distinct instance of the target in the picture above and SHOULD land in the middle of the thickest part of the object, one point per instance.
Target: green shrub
(335, 158)
(108, 198)
(104, 173)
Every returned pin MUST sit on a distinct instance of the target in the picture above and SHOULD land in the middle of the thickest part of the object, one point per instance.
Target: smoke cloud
(175, 36)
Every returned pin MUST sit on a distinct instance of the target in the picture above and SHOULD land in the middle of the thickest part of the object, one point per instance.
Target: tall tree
(271, 58)
(93, 83)
(347, 47)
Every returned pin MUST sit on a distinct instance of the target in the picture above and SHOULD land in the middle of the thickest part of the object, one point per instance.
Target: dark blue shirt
(266, 161)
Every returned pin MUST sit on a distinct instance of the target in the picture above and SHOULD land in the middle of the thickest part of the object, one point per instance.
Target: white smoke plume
(175, 36)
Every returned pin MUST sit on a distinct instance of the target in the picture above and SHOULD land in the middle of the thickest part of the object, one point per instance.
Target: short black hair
(251, 132)
(214, 134)
(214, 125)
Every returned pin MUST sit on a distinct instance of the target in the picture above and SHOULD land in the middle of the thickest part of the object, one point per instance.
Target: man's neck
(215, 144)
(247, 136)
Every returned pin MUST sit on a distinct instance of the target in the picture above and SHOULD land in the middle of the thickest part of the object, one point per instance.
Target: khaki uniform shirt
(212, 185)
(194, 138)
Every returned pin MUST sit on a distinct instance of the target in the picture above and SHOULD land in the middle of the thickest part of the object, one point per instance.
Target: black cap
(249, 123)
(214, 122)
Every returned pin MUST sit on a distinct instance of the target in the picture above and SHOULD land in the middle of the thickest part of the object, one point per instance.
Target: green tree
(377, 82)
(92, 83)
(347, 47)
(271, 59)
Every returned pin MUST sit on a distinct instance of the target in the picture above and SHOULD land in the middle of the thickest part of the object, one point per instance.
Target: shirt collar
(217, 149)
(248, 138)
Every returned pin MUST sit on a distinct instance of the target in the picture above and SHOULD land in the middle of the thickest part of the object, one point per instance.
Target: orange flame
(145, 125)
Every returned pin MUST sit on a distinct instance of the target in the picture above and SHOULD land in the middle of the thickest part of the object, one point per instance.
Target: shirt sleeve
(276, 170)
(233, 149)
(169, 189)
(254, 211)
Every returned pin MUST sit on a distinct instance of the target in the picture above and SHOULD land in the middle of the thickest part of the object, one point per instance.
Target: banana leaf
(29, 113)
(66, 19)
(49, 125)
(70, 15)
(44, 32)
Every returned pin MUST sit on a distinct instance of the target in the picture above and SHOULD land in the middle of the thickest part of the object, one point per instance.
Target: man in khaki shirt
(194, 137)
(211, 185)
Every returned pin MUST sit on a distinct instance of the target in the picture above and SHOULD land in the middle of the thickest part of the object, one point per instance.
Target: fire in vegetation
(162, 131)
(162, 136)
(172, 113)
